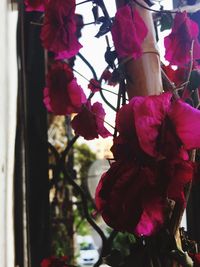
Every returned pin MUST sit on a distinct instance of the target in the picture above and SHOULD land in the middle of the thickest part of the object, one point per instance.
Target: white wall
(8, 93)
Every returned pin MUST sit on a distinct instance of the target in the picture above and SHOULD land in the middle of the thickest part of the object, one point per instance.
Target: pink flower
(94, 86)
(128, 32)
(62, 94)
(132, 195)
(178, 43)
(58, 33)
(151, 165)
(149, 115)
(89, 122)
(117, 197)
(35, 5)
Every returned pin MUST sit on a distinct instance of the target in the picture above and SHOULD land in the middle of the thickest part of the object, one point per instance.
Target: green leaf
(166, 21)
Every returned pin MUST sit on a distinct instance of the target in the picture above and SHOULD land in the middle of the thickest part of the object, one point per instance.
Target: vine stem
(191, 64)
(100, 88)
(96, 78)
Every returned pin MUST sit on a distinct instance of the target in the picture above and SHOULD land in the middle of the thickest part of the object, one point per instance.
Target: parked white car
(88, 254)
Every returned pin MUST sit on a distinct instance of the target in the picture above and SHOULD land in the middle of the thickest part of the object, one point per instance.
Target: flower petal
(128, 32)
(89, 122)
(179, 42)
(149, 113)
(186, 120)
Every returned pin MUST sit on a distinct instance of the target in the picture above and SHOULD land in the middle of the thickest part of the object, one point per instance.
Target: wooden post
(144, 74)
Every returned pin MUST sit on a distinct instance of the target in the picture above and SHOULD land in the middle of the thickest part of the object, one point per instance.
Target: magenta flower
(179, 42)
(128, 32)
(123, 196)
(132, 195)
(35, 5)
(94, 86)
(89, 122)
(152, 164)
(62, 94)
(58, 33)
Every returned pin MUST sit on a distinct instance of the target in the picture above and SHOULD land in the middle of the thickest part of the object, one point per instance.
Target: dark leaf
(98, 2)
(166, 21)
(102, 19)
(95, 11)
(105, 28)
(148, 2)
(110, 57)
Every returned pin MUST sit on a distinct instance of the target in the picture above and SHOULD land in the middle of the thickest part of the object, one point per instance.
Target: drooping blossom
(132, 195)
(62, 94)
(58, 33)
(123, 195)
(128, 32)
(178, 43)
(94, 86)
(155, 133)
(89, 122)
(35, 5)
(54, 262)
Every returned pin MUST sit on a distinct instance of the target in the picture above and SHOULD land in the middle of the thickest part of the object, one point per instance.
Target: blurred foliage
(83, 158)
(122, 242)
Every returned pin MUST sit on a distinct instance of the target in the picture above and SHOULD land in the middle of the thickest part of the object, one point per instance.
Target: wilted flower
(179, 42)
(62, 94)
(58, 33)
(128, 32)
(89, 122)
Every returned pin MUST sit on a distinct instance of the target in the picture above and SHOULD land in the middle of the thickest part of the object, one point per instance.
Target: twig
(191, 64)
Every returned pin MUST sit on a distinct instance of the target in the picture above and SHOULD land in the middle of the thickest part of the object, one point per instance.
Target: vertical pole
(144, 73)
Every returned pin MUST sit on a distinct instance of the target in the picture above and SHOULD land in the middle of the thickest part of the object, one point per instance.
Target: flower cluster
(62, 94)
(152, 165)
